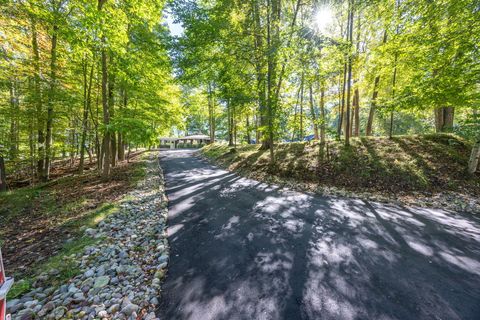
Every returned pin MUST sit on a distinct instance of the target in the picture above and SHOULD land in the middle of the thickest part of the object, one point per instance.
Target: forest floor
(426, 170)
(44, 223)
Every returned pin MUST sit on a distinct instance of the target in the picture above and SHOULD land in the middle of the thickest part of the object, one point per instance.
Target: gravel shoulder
(120, 276)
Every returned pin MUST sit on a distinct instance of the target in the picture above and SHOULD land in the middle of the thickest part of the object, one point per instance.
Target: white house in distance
(195, 140)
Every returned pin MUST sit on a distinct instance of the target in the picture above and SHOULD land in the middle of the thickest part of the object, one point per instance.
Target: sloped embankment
(427, 169)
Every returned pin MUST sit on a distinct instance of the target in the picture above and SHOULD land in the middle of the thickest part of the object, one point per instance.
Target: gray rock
(114, 308)
(78, 297)
(101, 271)
(151, 316)
(30, 304)
(59, 312)
(101, 282)
(49, 306)
(102, 314)
(89, 273)
(163, 258)
(25, 314)
(129, 309)
(90, 232)
(12, 303)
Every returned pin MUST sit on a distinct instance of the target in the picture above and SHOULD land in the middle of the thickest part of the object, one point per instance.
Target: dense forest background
(87, 81)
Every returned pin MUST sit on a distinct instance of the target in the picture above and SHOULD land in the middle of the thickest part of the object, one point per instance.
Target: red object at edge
(5, 285)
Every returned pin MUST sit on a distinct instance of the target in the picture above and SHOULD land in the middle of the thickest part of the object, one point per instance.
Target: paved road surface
(241, 249)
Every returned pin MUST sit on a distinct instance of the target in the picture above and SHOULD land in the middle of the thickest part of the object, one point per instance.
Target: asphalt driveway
(241, 249)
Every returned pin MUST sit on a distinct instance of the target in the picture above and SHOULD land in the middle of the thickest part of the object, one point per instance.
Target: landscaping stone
(119, 276)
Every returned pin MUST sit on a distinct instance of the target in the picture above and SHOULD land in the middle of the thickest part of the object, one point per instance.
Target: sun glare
(323, 18)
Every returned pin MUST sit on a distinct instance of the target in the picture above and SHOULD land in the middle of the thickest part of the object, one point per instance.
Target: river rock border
(121, 275)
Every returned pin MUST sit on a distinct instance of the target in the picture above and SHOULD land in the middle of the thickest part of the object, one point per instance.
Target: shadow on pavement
(241, 249)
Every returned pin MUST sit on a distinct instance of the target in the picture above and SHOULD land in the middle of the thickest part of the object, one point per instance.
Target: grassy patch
(65, 262)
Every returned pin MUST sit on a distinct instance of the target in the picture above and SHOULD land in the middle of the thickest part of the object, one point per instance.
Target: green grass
(402, 164)
(65, 262)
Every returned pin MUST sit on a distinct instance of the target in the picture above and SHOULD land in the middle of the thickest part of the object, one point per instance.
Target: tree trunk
(301, 136)
(394, 83)
(14, 108)
(273, 42)
(444, 119)
(474, 157)
(314, 116)
(121, 142)
(249, 138)
(211, 113)
(371, 114)
(261, 121)
(230, 124)
(349, 80)
(51, 97)
(3, 176)
(356, 97)
(38, 105)
(106, 116)
(111, 110)
(106, 113)
(342, 106)
(322, 114)
(87, 90)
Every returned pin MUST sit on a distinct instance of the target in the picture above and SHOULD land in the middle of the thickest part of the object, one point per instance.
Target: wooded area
(280, 71)
(90, 80)
(82, 79)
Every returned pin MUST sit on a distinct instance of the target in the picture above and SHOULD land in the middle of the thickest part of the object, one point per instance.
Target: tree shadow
(241, 249)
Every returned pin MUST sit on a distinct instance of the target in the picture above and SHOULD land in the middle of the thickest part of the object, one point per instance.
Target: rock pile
(121, 275)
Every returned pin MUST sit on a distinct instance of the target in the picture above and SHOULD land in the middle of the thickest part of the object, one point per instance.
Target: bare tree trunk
(234, 123)
(371, 114)
(211, 113)
(111, 110)
(230, 124)
(322, 114)
(106, 117)
(394, 83)
(444, 119)
(295, 115)
(249, 138)
(342, 106)
(106, 112)
(474, 157)
(301, 108)
(356, 97)
(14, 108)
(38, 103)
(51, 97)
(349, 80)
(314, 116)
(261, 119)
(3, 176)
(273, 43)
(87, 90)
(121, 142)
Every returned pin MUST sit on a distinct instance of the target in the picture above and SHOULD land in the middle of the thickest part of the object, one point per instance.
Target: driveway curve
(242, 249)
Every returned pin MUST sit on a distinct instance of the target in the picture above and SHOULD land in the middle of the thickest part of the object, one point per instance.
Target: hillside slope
(401, 166)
